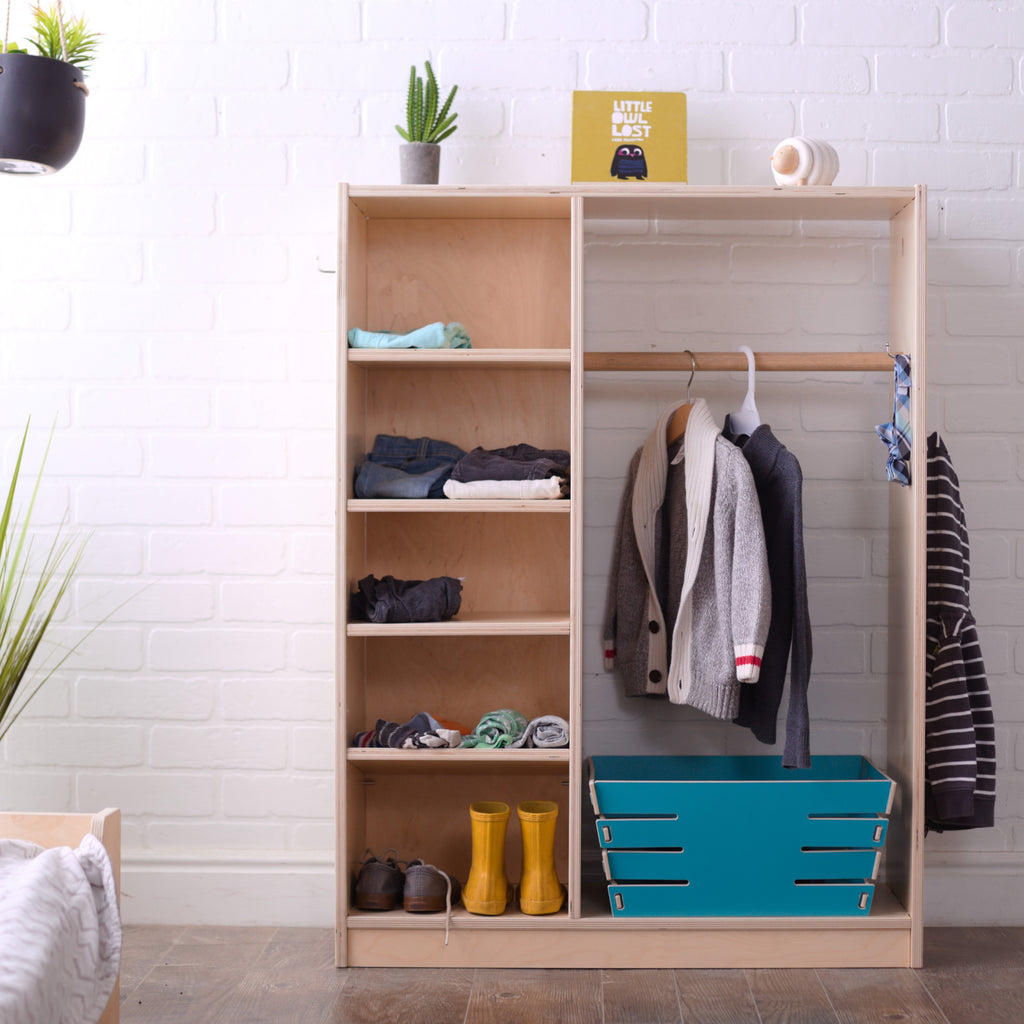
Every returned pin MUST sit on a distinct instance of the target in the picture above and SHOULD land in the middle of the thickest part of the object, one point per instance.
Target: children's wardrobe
(508, 264)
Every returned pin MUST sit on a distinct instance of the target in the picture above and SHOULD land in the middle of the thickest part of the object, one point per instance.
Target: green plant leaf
(81, 43)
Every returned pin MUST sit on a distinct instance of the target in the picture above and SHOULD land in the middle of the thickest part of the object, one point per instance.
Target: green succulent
(424, 121)
(12, 48)
(81, 42)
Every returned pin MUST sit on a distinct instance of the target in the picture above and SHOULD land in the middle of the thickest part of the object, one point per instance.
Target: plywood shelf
(372, 761)
(479, 624)
(557, 506)
(461, 358)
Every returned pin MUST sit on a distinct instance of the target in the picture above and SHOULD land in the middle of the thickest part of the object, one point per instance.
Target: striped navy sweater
(960, 757)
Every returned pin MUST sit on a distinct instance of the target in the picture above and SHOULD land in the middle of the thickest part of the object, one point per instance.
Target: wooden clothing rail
(792, 361)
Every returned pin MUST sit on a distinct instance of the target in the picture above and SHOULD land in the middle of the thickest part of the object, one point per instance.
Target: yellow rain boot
(539, 890)
(486, 890)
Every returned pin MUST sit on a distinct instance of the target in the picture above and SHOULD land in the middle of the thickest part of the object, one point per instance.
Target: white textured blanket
(60, 932)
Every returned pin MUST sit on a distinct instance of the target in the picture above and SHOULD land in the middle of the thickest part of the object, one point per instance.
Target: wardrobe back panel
(506, 281)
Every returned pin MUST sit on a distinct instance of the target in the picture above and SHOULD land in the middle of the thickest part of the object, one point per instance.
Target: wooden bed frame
(67, 830)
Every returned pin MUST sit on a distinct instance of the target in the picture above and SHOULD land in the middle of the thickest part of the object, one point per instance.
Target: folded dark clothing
(515, 462)
(404, 467)
(391, 600)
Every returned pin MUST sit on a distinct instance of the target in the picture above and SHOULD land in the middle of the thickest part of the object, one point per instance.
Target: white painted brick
(990, 507)
(743, 310)
(982, 458)
(220, 67)
(996, 645)
(219, 162)
(41, 403)
(542, 115)
(985, 25)
(395, 19)
(144, 211)
(255, 406)
(226, 260)
(277, 307)
(297, 602)
(312, 552)
(871, 118)
(943, 74)
(832, 457)
(770, 119)
(41, 307)
(869, 24)
(966, 266)
(991, 557)
(213, 747)
(837, 652)
(87, 357)
(988, 121)
(259, 796)
(218, 649)
(312, 837)
(179, 407)
(100, 161)
(144, 308)
(84, 453)
(951, 361)
(586, 20)
(968, 171)
(609, 265)
(177, 116)
(144, 505)
(42, 791)
(836, 507)
(221, 457)
(805, 264)
(147, 793)
(312, 456)
(114, 697)
(700, 24)
(101, 746)
(112, 554)
(689, 70)
(299, 21)
(281, 212)
(977, 314)
(124, 21)
(312, 650)
(526, 66)
(346, 65)
(997, 604)
(757, 70)
(988, 217)
(44, 258)
(173, 357)
(243, 553)
(135, 601)
(174, 835)
(829, 554)
(286, 114)
(52, 700)
(30, 212)
(260, 699)
(115, 648)
(844, 311)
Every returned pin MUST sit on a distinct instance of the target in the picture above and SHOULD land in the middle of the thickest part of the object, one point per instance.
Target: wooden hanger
(677, 425)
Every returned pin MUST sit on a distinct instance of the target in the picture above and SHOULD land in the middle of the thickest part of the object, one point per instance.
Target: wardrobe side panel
(905, 734)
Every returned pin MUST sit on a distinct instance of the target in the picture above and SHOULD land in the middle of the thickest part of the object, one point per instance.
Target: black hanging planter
(42, 113)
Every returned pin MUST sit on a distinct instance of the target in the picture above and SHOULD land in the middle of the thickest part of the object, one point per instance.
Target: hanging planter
(42, 96)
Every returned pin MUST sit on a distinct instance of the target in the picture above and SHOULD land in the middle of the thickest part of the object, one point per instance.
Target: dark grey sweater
(779, 482)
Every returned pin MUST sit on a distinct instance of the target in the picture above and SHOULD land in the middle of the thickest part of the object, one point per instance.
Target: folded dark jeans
(516, 462)
(391, 600)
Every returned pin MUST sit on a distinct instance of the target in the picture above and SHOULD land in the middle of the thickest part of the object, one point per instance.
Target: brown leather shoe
(380, 882)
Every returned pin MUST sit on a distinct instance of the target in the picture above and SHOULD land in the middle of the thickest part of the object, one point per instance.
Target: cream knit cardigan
(718, 635)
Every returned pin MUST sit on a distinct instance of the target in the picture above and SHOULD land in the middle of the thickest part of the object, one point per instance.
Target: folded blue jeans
(403, 467)
(515, 462)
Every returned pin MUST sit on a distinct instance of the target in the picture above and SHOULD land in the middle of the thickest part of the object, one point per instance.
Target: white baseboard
(297, 890)
(229, 888)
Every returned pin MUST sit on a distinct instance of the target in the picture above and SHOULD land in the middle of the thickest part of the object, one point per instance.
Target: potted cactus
(428, 123)
(42, 94)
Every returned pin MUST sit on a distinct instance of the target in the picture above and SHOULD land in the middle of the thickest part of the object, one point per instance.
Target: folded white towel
(522, 490)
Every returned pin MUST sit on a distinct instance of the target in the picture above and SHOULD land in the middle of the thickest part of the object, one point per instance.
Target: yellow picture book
(628, 136)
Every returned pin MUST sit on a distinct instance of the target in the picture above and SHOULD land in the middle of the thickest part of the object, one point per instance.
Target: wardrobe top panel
(634, 199)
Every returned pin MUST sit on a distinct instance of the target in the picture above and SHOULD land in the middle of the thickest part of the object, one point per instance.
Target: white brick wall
(161, 298)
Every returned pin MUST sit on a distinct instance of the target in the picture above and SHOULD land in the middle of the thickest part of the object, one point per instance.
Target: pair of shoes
(487, 890)
(421, 888)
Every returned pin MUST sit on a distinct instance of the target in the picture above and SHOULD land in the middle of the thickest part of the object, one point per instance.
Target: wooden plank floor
(202, 975)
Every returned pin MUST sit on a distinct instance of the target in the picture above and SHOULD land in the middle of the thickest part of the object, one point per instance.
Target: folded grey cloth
(544, 731)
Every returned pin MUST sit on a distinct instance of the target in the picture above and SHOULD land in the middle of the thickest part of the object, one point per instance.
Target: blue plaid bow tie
(897, 434)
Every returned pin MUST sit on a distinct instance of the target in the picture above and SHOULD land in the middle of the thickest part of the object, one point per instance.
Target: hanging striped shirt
(960, 757)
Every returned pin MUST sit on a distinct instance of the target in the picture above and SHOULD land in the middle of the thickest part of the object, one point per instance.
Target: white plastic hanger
(747, 419)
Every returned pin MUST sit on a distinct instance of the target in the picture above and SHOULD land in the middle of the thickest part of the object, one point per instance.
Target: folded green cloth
(435, 335)
(497, 729)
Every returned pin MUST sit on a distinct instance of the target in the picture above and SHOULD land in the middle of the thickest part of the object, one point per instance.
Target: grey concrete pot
(420, 162)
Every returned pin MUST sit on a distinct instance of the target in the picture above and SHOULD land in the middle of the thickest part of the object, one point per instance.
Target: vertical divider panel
(907, 559)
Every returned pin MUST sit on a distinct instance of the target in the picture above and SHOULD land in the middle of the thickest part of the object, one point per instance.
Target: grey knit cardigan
(689, 555)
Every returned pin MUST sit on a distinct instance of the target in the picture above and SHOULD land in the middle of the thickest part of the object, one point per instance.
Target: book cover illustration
(628, 136)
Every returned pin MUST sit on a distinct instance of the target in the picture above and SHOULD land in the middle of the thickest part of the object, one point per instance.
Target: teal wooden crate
(739, 836)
